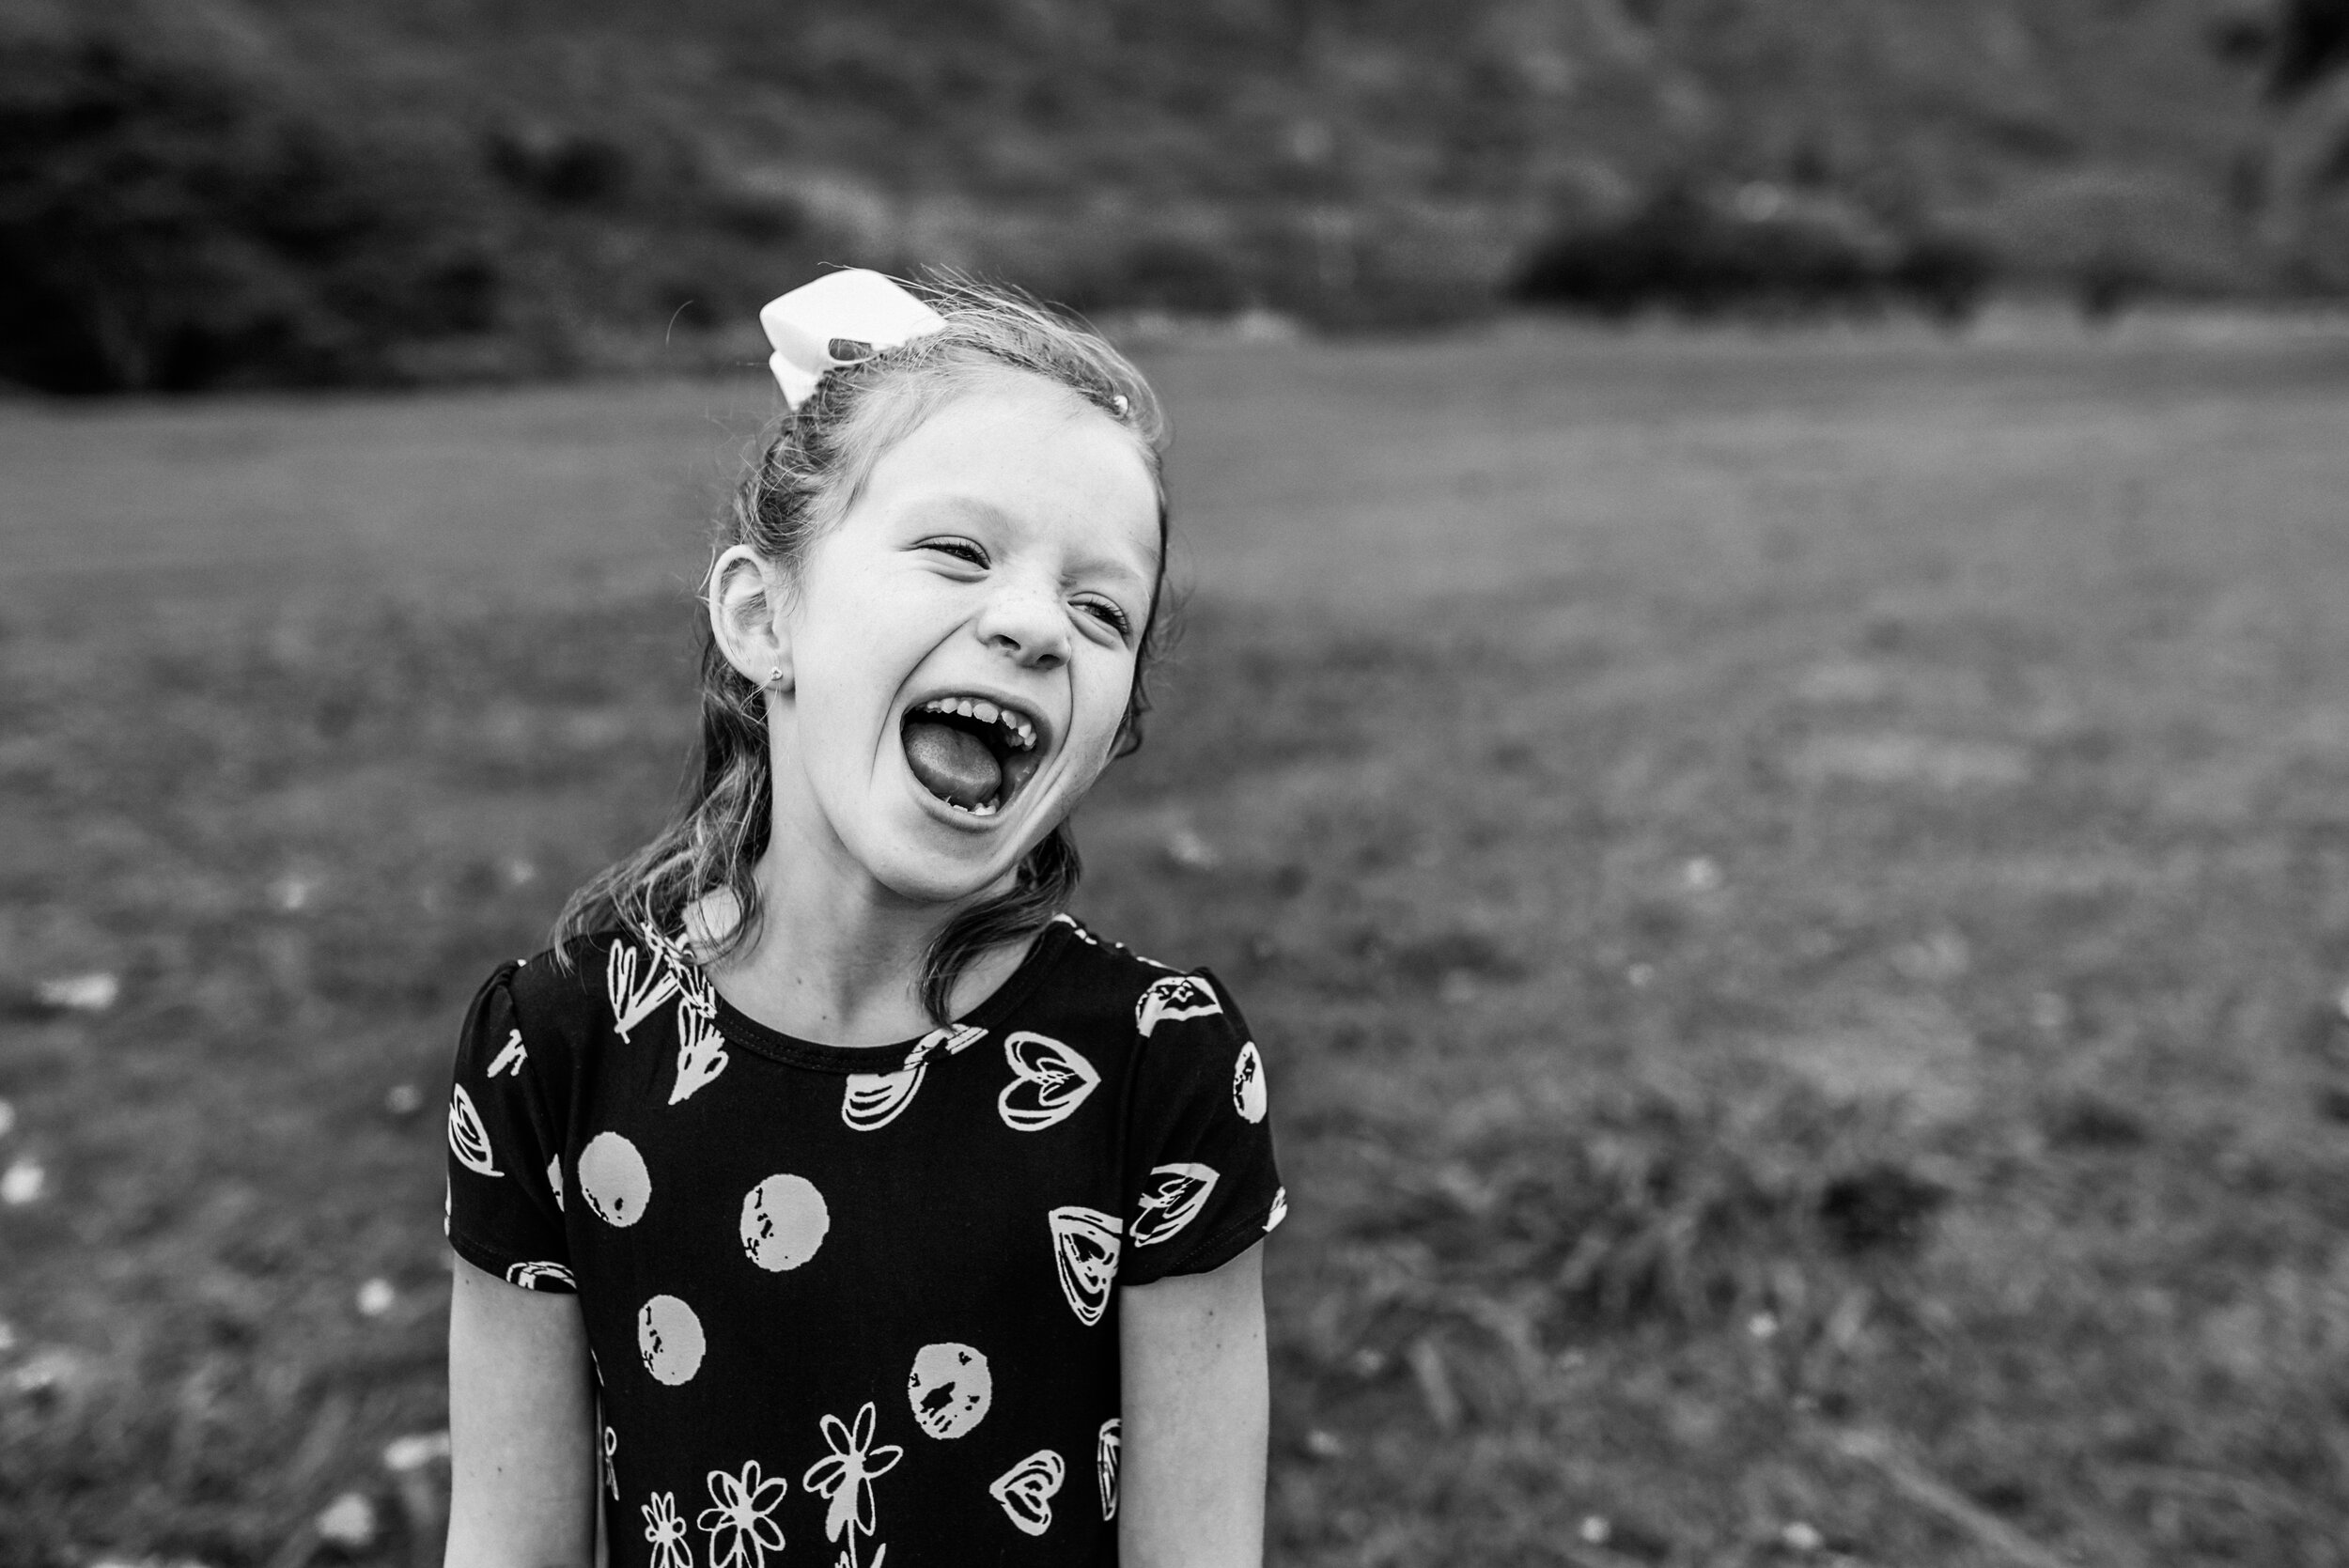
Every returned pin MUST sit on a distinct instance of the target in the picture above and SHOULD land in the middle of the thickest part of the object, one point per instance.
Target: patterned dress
(850, 1301)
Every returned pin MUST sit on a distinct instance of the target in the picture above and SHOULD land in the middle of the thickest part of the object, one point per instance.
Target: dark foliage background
(223, 192)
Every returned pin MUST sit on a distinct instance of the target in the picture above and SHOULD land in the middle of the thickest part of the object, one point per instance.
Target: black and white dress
(844, 1301)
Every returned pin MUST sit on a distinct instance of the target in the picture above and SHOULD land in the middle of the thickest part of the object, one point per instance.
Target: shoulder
(561, 977)
(1145, 992)
(563, 991)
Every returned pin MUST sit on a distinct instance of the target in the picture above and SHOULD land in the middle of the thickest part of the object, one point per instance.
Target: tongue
(951, 763)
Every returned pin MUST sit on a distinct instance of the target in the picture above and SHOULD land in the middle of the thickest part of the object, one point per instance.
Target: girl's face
(961, 644)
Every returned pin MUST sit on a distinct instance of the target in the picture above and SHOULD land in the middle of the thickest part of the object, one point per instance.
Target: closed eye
(961, 550)
(1109, 614)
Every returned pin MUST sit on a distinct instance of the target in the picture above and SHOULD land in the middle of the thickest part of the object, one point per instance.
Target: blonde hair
(809, 472)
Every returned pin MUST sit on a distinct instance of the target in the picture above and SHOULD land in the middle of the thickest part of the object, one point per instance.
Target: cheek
(1102, 700)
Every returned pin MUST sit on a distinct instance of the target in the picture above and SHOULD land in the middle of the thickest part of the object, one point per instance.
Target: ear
(745, 600)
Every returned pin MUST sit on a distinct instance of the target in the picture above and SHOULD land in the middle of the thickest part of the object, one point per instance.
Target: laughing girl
(829, 1193)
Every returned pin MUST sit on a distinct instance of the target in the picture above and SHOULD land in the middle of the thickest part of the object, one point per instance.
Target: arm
(521, 1417)
(1190, 1484)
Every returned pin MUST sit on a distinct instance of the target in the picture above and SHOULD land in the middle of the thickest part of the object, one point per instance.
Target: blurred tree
(2303, 48)
(164, 227)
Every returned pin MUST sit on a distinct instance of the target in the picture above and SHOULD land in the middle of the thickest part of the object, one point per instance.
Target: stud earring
(774, 676)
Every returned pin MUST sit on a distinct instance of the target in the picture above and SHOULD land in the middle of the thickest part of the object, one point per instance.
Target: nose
(1027, 624)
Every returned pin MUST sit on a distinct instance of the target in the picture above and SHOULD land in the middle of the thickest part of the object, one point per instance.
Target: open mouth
(970, 752)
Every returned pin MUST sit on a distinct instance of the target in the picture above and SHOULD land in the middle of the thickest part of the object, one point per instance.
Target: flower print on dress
(741, 1520)
(1172, 1200)
(554, 1180)
(872, 1100)
(612, 1462)
(1084, 1251)
(1026, 1490)
(1280, 1209)
(666, 1531)
(1173, 998)
(511, 1059)
(845, 1476)
(634, 998)
(701, 1051)
(467, 1139)
(1049, 1082)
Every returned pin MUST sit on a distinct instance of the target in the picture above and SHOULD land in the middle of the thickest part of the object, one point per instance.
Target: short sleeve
(504, 1148)
(1201, 1184)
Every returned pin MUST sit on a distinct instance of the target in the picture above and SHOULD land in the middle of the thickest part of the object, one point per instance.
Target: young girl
(829, 1193)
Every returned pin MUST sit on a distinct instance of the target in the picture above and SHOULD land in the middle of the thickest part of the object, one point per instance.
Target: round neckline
(742, 1029)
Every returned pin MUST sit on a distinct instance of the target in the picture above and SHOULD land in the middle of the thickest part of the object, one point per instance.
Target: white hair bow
(840, 319)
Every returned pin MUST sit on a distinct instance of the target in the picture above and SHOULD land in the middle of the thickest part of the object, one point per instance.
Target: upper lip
(1022, 706)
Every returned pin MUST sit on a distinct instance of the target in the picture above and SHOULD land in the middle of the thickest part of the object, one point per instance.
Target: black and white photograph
(1329, 784)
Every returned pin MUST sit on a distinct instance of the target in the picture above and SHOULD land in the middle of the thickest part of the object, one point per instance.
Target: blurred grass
(1793, 885)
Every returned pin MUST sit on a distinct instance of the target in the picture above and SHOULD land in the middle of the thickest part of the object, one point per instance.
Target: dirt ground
(1795, 887)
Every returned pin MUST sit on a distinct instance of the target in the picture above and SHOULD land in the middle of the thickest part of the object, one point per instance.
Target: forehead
(1031, 455)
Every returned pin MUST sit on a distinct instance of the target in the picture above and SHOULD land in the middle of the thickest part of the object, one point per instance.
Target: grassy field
(1796, 889)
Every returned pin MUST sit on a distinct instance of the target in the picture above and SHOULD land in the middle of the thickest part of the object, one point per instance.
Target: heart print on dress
(1085, 1248)
(467, 1139)
(1171, 1201)
(1026, 1490)
(1049, 1082)
(1105, 1448)
(1248, 1086)
(529, 1275)
(1173, 998)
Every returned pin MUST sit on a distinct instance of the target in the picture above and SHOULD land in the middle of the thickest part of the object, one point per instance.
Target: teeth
(1021, 733)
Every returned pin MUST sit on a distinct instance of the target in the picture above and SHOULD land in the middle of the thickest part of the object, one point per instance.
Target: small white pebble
(1594, 1530)
(349, 1522)
(1801, 1537)
(415, 1451)
(1762, 1326)
(376, 1297)
(23, 1183)
(48, 1368)
(1325, 1445)
(1702, 875)
(82, 993)
(1190, 851)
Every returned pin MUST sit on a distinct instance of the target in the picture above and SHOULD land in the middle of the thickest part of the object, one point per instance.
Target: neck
(837, 959)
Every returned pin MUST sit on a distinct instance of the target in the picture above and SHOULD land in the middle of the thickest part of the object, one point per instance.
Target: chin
(961, 872)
